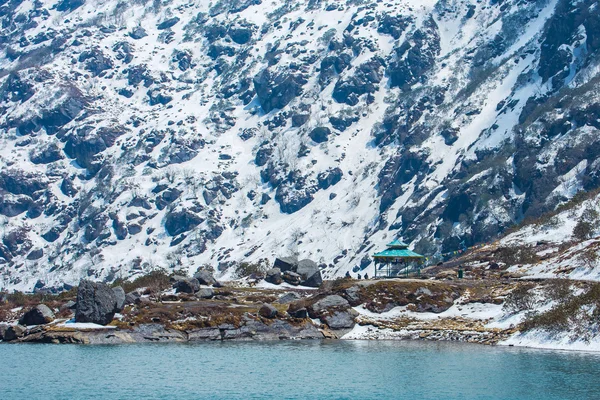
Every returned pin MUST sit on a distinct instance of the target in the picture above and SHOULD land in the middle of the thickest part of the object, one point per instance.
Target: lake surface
(296, 370)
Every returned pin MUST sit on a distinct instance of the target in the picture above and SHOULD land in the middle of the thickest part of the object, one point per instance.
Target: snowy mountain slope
(171, 134)
(566, 244)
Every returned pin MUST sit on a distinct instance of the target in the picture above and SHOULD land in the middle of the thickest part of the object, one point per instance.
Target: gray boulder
(38, 315)
(327, 304)
(205, 293)
(341, 319)
(286, 263)
(177, 222)
(187, 286)
(353, 295)
(292, 278)
(120, 296)
(205, 278)
(138, 33)
(3, 328)
(273, 276)
(131, 297)
(13, 332)
(289, 298)
(299, 313)
(310, 273)
(96, 303)
(267, 311)
(335, 311)
(69, 305)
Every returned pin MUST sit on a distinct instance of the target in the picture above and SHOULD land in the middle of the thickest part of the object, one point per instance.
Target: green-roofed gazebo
(395, 258)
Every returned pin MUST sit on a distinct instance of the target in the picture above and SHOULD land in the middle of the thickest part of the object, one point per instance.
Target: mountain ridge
(173, 134)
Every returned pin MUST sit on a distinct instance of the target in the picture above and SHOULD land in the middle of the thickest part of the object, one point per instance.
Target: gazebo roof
(397, 244)
(397, 249)
(397, 253)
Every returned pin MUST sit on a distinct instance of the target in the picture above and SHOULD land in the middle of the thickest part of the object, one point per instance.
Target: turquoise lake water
(296, 370)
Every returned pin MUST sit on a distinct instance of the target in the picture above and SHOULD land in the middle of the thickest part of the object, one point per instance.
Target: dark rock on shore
(289, 297)
(335, 311)
(120, 298)
(96, 303)
(341, 319)
(38, 315)
(299, 313)
(14, 332)
(292, 278)
(329, 302)
(274, 276)
(69, 305)
(267, 311)
(187, 286)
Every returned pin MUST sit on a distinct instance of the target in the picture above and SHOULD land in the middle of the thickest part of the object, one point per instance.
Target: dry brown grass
(155, 282)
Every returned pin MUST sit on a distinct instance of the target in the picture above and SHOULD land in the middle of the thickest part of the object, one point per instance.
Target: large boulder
(3, 328)
(352, 294)
(289, 297)
(310, 273)
(38, 315)
(330, 302)
(335, 311)
(13, 332)
(181, 221)
(68, 306)
(299, 313)
(286, 263)
(96, 303)
(138, 33)
(205, 293)
(205, 278)
(320, 134)
(120, 296)
(341, 319)
(168, 23)
(267, 311)
(131, 297)
(292, 278)
(273, 276)
(187, 286)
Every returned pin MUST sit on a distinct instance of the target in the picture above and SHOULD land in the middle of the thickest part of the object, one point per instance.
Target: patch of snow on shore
(545, 340)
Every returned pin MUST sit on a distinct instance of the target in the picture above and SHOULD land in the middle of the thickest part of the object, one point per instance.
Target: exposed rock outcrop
(96, 303)
(38, 315)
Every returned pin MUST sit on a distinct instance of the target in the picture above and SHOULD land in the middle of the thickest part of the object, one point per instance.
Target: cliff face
(170, 134)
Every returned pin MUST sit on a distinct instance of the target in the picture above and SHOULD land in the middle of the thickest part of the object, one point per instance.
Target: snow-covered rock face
(143, 134)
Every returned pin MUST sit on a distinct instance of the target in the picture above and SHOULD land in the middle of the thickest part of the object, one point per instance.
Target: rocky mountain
(145, 134)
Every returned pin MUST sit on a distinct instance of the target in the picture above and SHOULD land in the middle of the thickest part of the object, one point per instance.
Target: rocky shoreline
(202, 309)
(292, 302)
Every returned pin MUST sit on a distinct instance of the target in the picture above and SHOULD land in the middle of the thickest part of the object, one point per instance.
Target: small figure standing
(359, 277)
(366, 276)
